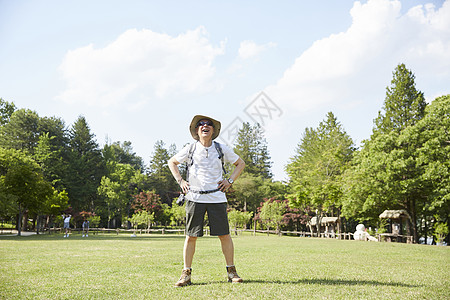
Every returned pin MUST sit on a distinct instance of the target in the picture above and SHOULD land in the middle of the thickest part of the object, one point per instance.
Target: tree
(386, 173)
(294, 217)
(44, 138)
(21, 132)
(122, 153)
(271, 213)
(161, 179)
(51, 161)
(142, 218)
(239, 218)
(86, 167)
(177, 214)
(118, 188)
(316, 170)
(251, 146)
(22, 184)
(403, 106)
(149, 202)
(432, 155)
(51, 206)
(246, 193)
(6, 111)
(52, 151)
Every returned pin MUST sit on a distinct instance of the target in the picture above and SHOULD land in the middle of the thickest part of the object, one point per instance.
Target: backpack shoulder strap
(219, 150)
(190, 160)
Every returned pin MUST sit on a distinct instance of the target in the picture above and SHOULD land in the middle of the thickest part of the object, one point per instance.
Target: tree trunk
(319, 221)
(425, 228)
(412, 214)
(19, 223)
(38, 218)
(25, 220)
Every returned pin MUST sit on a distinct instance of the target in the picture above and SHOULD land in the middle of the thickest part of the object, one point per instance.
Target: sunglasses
(202, 123)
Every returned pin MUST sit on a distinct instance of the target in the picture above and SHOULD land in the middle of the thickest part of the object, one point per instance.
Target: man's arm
(173, 166)
(224, 185)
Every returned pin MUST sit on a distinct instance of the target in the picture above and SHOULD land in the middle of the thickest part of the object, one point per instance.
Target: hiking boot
(233, 276)
(185, 278)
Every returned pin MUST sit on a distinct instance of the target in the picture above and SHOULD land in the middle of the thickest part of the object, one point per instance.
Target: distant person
(66, 219)
(85, 228)
(205, 191)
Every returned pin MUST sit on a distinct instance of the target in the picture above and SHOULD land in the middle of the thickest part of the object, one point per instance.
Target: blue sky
(140, 70)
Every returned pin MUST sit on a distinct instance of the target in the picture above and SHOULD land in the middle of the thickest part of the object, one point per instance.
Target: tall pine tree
(385, 173)
(404, 104)
(251, 146)
(161, 179)
(86, 167)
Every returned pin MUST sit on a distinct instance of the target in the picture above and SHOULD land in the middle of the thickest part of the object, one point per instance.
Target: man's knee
(191, 239)
(224, 237)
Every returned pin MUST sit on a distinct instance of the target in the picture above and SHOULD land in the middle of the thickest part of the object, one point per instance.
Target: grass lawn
(113, 266)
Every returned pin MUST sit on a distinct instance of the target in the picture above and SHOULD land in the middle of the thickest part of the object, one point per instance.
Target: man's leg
(188, 255)
(227, 248)
(228, 252)
(189, 250)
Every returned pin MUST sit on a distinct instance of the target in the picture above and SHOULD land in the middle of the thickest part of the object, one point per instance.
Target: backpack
(190, 160)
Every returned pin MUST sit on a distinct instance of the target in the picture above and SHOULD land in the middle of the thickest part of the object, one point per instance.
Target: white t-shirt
(206, 171)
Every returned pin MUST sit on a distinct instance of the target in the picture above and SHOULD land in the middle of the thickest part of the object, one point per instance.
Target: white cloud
(249, 49)
(140, 64)
(351, 65)
(349, 71)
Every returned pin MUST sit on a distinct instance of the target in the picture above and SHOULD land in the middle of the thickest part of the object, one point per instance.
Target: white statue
(362, 235)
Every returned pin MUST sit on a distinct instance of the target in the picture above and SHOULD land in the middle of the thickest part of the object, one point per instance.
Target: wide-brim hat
(198, 118)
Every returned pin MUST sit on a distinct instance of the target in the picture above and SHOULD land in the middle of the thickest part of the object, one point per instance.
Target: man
(85, 227)
(66, 219)
(205, 192)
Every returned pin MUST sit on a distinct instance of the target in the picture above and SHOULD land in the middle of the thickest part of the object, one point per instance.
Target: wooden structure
(328, 226)
(397, 218)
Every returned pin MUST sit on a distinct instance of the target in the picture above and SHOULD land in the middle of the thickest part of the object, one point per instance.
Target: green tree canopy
(6, 110)
(316, 170)
(21, 132)
(22, 184)
(160, 177)
(86, 167)
(271, 213)
(122, 153)
(404, 104)
(239, 218)
(118, 187)
(385, 173)
(251, 146)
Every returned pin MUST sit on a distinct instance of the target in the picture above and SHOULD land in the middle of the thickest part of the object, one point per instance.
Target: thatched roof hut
(328, 226)
(324, 221)
(395, 214)
(396, 220)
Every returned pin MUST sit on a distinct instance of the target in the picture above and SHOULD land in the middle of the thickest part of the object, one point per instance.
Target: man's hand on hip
(224, 185)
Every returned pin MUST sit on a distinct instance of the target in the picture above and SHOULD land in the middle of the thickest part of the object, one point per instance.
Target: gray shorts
(66, 225)
(217, 216)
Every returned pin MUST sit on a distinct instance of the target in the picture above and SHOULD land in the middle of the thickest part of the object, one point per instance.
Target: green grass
(113, 266)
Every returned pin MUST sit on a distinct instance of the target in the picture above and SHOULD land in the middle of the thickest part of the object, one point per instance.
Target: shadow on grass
(316, 281)
(319, 281)
(324, 281)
